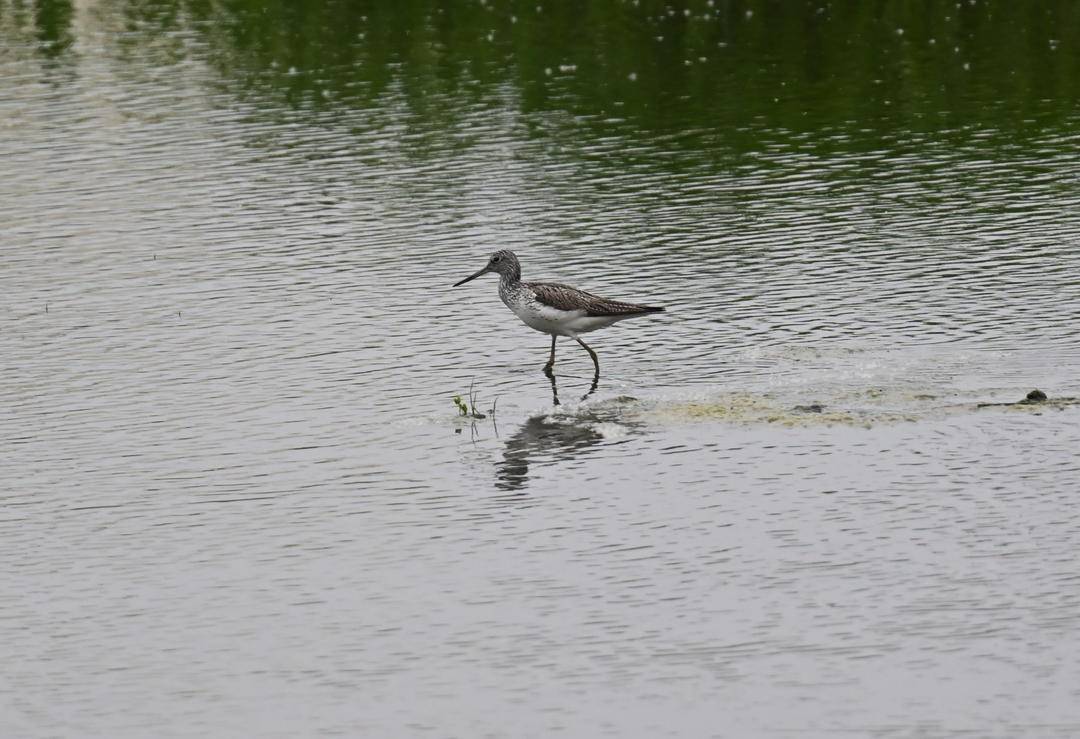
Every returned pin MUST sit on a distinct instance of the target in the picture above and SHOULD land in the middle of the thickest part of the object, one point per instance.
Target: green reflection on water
(53, 21)
(663, 67)
(668, 65)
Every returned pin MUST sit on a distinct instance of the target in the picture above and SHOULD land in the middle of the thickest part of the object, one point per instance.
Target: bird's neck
(509, 279)
(510, 287)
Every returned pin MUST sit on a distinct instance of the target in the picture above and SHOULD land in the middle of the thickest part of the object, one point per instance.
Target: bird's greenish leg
(595, 361)
(551, 360)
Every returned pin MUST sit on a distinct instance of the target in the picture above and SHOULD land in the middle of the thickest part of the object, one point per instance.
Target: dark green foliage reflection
(660, 66)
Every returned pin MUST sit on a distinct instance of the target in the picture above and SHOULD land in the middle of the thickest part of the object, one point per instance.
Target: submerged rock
(812, 408)
(1035, 397)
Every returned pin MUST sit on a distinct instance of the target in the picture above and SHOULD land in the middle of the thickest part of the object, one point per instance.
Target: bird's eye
(495, 259)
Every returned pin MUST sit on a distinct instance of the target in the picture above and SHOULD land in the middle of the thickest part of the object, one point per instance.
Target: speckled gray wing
(564, 297)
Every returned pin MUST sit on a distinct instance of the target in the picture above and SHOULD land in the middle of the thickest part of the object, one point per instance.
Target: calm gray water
(236, 498)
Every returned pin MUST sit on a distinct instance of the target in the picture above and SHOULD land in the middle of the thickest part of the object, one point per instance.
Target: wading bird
(558, 310)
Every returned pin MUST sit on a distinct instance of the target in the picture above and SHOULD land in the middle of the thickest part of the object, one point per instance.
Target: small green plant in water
(468, 409)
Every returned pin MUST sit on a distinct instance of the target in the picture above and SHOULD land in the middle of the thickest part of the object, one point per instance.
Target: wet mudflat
(237, 497)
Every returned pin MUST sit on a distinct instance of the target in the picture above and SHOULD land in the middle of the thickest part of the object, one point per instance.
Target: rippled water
(236, 497)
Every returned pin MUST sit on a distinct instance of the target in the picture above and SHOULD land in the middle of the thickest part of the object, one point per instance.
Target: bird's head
(503, 262)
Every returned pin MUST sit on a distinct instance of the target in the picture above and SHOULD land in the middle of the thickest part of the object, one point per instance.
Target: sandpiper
(558, 310)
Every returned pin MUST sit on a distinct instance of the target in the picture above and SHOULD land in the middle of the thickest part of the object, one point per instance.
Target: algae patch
(753, 409)
(863, 409)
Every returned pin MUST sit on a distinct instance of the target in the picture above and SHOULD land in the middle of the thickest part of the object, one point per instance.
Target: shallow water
(237, 498)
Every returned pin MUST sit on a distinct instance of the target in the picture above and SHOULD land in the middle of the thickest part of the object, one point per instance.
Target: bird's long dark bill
(471, 277)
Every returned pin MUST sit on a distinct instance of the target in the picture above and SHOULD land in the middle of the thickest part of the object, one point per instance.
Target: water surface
(237, 498)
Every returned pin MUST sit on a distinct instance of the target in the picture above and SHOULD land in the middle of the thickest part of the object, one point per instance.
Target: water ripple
(237, 493)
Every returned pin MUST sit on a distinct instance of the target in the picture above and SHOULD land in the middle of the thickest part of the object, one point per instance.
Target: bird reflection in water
(551, 438)
(555, 386)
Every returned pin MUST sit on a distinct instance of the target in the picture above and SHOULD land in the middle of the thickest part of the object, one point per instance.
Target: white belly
(560, 322)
